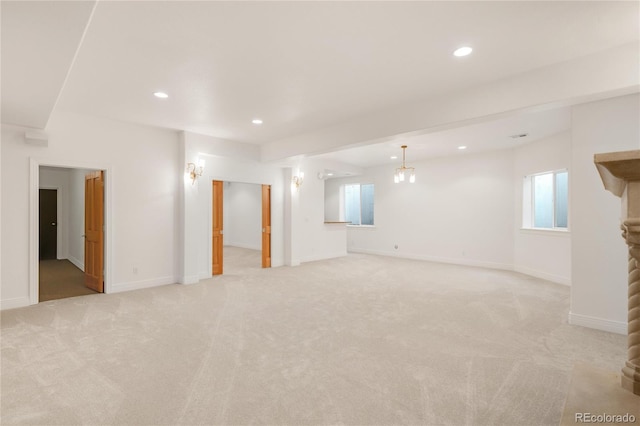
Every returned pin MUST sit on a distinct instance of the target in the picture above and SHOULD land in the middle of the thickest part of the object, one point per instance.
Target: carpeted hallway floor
(59, 279)
(358, 340)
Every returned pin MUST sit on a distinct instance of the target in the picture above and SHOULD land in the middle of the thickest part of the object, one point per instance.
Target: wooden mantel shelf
(616, 168)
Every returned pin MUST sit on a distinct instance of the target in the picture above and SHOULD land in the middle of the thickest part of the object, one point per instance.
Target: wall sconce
(297, 180)
(195, 171)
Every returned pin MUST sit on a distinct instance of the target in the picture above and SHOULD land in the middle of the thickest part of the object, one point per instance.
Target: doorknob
(53, 224)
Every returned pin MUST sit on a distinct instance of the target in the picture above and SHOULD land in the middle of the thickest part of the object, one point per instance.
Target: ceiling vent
(519, 135)
(36, 137)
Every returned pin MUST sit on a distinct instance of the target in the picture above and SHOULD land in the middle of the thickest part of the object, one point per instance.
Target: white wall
(76, 216)
(229, 162)
(143, 163)
(599, 254)
(543, 254)
(460, 210)
(59, 179)
(333, 200)
(243, 221)
(317, 240)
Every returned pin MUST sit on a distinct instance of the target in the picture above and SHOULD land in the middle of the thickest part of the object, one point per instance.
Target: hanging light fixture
(401, 172)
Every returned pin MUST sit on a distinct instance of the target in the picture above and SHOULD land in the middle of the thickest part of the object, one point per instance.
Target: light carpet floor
(358, 340)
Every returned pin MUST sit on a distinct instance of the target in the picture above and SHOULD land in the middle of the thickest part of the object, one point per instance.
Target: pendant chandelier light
(401, 172)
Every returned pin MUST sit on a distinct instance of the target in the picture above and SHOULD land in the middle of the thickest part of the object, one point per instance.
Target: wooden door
(94, 231)
(218, 230)
(266, 226)
(48, 224)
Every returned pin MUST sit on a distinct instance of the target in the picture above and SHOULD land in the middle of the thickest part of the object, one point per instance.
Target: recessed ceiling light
(161, 95)
(461, 147)
(329, 174)
(463, 51)
(256, 121)
(394, 157)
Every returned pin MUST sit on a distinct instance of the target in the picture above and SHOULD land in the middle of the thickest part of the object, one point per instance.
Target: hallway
(60, 279)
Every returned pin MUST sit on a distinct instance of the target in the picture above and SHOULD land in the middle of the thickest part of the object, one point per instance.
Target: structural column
(291, 220)
(620, 173)
(631, 371)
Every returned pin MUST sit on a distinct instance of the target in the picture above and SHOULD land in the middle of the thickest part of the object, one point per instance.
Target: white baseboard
(323, 256)
(543, 275)
(76, 262)
(618, 327)
(205, 275)
(464, 262)
(189, 279)
(137, 285)
(16, 302)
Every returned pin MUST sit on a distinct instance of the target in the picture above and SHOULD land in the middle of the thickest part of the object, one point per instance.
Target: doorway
(241, 227)
(48, 230)
(70, 232)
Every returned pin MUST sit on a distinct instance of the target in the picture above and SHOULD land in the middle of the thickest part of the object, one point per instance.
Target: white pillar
(188, 218)
(291, 220)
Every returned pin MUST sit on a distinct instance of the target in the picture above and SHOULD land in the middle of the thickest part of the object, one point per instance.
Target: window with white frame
(546, 200)
(358, 204)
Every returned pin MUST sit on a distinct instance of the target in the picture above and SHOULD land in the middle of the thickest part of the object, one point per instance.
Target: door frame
(221, 235)
(266, 227)
(209, 200)
(94, 184)
(34, 213)
(59, 214)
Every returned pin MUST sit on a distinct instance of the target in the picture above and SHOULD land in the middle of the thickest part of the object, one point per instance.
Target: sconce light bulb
(195, 171)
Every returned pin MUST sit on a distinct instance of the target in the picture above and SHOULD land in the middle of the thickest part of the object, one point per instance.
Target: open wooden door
(266, 226)
(218, 239)
(94, 231)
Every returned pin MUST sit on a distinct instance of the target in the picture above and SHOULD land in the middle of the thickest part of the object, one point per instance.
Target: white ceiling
(39, 41)
(480, 137)
(299, 66)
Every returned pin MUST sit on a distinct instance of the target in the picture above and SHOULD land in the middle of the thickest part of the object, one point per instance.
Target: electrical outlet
(135, 269)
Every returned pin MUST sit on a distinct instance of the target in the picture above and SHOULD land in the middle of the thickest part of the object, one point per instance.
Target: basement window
(546, 201)
(358, 204)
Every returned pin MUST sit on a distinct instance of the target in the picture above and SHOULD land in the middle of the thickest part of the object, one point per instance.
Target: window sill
(546, 231)
(361, 226)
